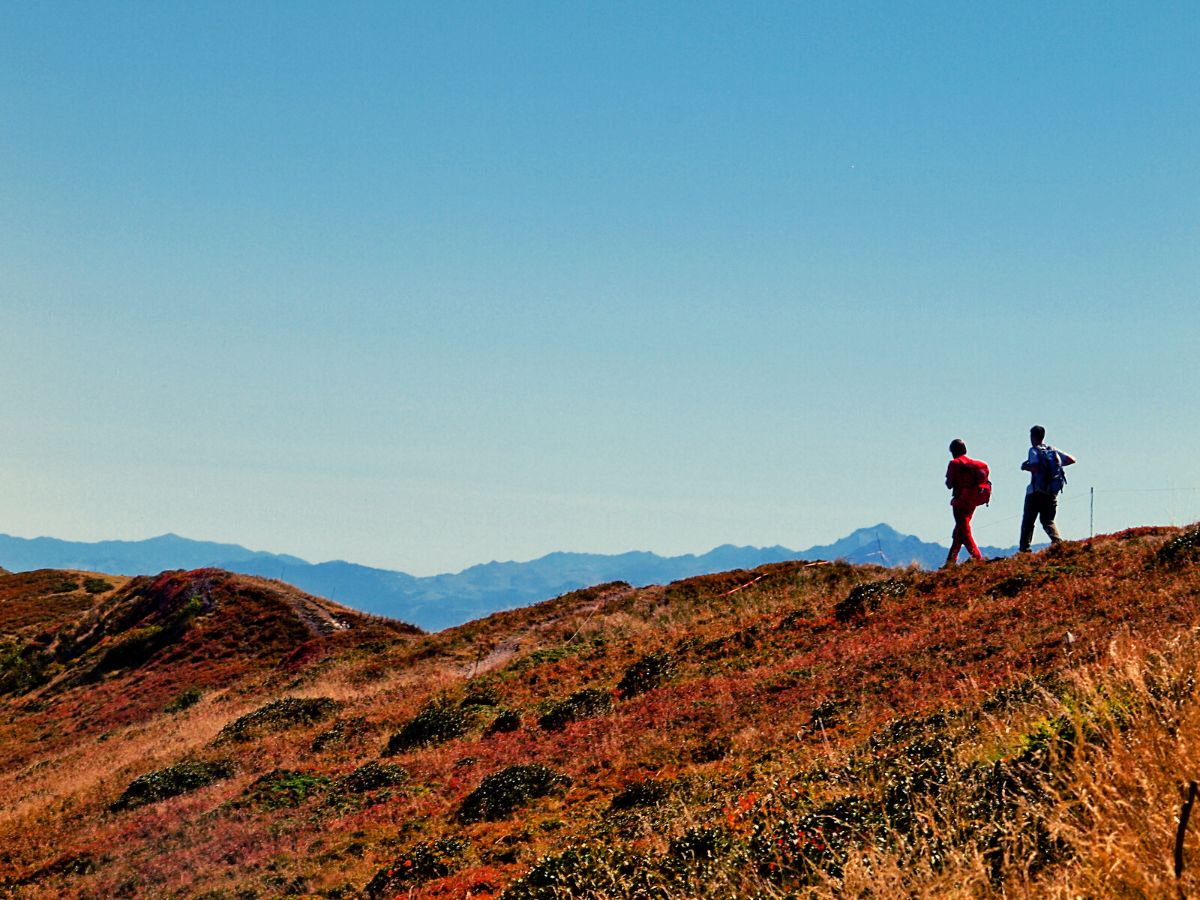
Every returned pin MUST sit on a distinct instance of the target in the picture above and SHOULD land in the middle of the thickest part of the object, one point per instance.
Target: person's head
(958, 447)
(1037, 434)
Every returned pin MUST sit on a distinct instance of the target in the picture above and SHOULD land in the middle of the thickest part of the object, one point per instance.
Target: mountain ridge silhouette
(440, 601)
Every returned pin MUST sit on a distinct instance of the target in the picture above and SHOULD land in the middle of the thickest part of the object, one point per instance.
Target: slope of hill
(87, 653)
(999, 729)
(440, 601)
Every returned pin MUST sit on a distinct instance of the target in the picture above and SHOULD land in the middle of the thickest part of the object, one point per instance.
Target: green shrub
(186, 698)
(723, 647)
(96, 585)
(795, 844)
(1000, 817)
(906, 728)
(704, 850)
(1011, 586)
(279, 715)
(795, 619)
(1026, 690)
(480, 695)
(913, 776)
(133, 649)
(437, 723)
(173, 781)
(828, 714)
(23, 667)
(418, 864)
(505, 722)
(500, 794)
(343, 733)
(712, 750)
(865, 598)
(72, 866)
(641, 794)
(591, 871)
(282, 788)
(138, 645)
(647, 673)
(542, 657)
(1180, 549)
(580, 705)
(371, 777)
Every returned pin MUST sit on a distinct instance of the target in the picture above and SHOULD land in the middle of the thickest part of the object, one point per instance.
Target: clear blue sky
(428, 284)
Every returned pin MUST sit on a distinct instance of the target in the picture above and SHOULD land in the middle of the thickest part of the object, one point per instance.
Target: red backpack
(980, 493)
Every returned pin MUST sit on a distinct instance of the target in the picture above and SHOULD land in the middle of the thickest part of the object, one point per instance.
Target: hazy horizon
(829, 541)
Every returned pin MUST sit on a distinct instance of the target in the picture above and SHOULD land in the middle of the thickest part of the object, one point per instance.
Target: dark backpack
(980, 493)
(1049, 477)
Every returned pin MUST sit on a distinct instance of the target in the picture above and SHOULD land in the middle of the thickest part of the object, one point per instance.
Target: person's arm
(1067, 458)
(1030, 464)
(949, 480)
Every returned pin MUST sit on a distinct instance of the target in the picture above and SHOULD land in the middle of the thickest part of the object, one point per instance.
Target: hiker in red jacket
(969, 480)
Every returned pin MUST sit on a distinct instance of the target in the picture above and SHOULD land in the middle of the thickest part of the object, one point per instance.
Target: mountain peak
(883, 530)
(440, 601)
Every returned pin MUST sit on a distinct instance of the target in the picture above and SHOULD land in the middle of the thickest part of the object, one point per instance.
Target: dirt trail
(503, 652)
(320, 621)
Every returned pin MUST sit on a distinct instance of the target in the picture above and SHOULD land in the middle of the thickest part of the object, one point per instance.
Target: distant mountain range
(440, 601)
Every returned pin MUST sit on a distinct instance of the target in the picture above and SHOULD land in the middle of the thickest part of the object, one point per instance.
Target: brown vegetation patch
(964, 732)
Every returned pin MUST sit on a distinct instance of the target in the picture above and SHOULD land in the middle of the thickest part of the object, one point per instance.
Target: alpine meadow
(1021, 727)
(379, 374)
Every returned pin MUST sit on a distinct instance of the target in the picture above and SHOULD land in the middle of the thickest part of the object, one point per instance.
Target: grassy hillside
(1016, 727)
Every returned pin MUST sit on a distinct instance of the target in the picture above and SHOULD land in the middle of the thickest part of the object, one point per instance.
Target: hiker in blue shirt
(1046, 479)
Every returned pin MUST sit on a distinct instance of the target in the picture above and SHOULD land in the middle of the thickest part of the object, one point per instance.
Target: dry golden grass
(1113, 798)
(1120, 804)
(777, 707)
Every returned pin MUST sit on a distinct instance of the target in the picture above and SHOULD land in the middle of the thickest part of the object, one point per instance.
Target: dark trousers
(1039, 505)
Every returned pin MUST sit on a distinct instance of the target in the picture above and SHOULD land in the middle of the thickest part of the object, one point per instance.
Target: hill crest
(68, 635)
(441, 601)
(603, 733)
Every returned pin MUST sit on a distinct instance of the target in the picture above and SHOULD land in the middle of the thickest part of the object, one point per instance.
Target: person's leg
(1028, 518)
(963, 516)
(955, 540)
(1049, 507)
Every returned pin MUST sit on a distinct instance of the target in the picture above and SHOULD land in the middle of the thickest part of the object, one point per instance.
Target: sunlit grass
(1018, 728)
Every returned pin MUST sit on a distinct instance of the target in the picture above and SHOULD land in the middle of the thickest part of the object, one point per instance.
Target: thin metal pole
(1092, 514)
(1189, 798)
